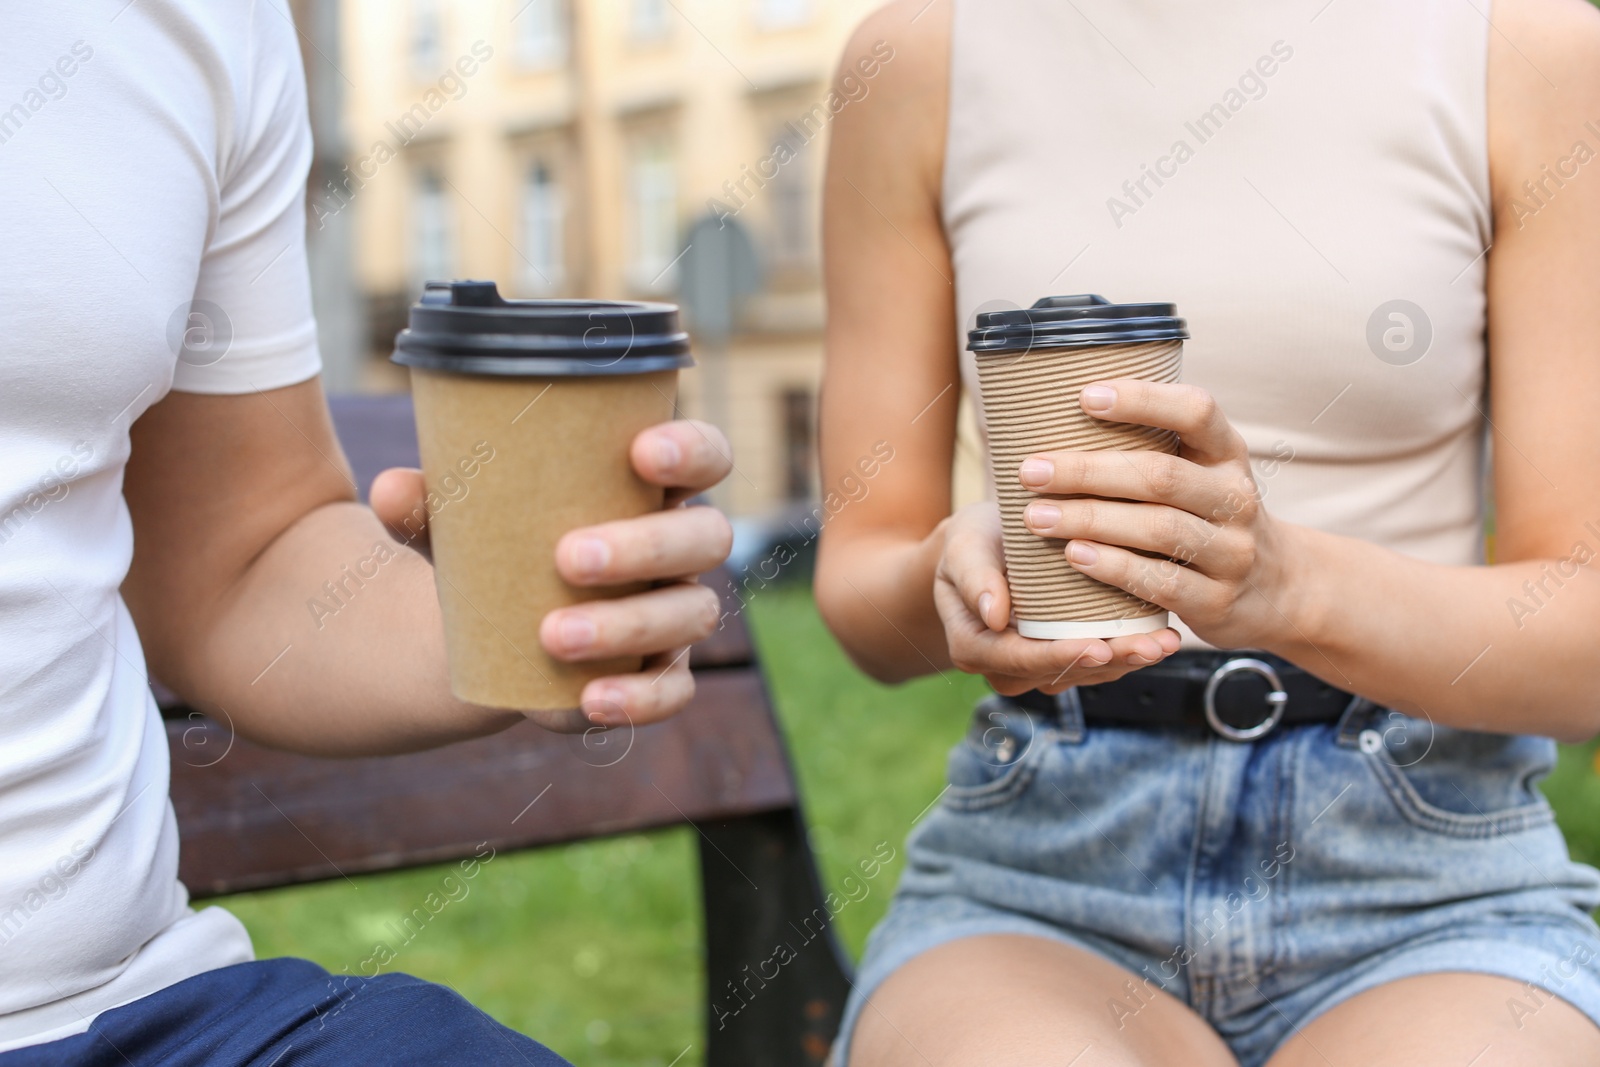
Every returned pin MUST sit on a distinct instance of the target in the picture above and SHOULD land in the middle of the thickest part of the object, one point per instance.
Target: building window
(799, 444)
(543, 220)
(432, 252)
(653, 190)
(648, 19)
(427, 39)
(792, 239)
(782, 14)
(541, 33)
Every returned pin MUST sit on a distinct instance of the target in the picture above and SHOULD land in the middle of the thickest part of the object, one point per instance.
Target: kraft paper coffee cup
(1032, 364)
(526, 410)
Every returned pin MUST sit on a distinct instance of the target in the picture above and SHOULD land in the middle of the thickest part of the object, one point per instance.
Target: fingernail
(1041, 514)
(1137, 660)
(1098, 656)
(985, 602)
(605, 707)
(1080, 553)
(1099, 398)
(1036, 473)
(668, 454)
(591, 556)
(577, 632)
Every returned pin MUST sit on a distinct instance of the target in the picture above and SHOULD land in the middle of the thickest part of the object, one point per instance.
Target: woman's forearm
(876, 594)
(1507, 648)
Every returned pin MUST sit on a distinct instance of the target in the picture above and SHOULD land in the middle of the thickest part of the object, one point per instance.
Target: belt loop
(1356, 718)
(1069, 716)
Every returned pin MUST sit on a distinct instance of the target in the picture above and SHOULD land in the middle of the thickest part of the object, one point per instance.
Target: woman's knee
(1017, 1001)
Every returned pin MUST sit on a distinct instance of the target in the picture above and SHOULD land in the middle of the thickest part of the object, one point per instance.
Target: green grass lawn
(1574, 791)
(594, 948)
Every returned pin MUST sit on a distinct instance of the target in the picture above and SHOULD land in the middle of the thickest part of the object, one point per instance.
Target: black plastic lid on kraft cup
(1075, 322)
(467, 327)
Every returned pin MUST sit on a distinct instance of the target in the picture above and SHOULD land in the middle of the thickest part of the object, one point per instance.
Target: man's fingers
(633, 625)
(662, 689)
(398, 498)
(663, 544)
(1188, 409)
(685, 454)
(560, 720)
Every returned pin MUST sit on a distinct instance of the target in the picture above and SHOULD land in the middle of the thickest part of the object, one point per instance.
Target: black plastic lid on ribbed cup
(1075, 322)
(467, 327)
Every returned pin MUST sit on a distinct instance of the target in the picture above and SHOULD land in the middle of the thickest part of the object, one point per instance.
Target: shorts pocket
(1459, 783)
(998, 758)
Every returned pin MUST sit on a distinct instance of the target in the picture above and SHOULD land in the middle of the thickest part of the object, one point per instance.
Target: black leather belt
(1240, 696)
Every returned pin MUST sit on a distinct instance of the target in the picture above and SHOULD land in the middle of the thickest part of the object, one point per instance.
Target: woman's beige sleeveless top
(1307, 181)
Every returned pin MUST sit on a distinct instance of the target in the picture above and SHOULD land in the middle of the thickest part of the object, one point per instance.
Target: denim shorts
(1260, 883)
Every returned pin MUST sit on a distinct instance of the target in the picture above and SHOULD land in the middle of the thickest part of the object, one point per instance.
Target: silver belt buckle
(1276, 700)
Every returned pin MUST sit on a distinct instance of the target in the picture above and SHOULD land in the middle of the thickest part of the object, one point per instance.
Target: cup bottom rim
(1080, 629)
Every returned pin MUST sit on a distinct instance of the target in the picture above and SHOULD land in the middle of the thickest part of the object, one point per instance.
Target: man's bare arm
(243, 506)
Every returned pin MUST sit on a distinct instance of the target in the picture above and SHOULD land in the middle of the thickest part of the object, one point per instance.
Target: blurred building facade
(330, 242)
(567, 148)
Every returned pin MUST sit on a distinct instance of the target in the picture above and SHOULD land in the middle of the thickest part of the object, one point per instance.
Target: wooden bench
(254, 818)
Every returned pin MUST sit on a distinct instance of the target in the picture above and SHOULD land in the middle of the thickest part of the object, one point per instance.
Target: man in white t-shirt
(155, 508)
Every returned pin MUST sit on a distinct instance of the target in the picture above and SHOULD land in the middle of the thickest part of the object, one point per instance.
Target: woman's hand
(974, 603)
(667, 548)
(1201, 508)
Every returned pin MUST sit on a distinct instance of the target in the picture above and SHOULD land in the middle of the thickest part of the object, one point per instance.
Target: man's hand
(244, 511)
(668, 548)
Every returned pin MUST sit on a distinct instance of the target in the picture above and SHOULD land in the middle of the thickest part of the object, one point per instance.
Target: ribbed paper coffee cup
(526, 411)
(1032, 365)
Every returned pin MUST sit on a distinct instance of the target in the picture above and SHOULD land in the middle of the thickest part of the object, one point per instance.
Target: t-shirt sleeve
(254, 291)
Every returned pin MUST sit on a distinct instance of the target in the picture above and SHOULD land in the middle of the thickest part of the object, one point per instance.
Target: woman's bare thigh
(1445, 1020)
(1016, 1001)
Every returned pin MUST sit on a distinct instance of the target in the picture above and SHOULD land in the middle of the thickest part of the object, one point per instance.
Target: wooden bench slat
(260, 818)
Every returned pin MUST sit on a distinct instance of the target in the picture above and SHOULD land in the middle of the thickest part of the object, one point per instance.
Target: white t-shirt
(152, 154)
